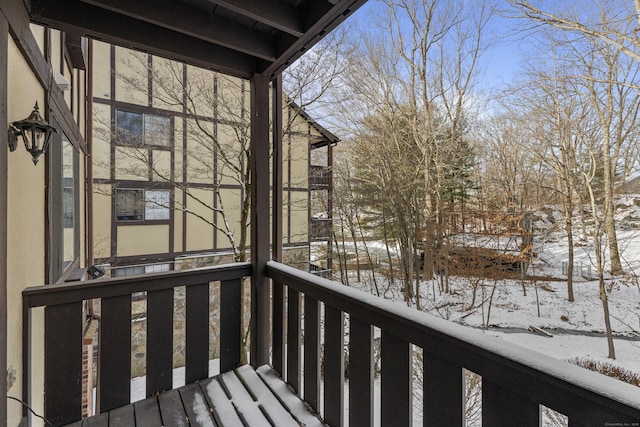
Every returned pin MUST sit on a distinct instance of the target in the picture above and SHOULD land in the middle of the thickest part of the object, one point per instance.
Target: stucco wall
(26, 230)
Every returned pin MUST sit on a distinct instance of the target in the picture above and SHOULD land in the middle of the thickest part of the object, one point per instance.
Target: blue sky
(500, 63)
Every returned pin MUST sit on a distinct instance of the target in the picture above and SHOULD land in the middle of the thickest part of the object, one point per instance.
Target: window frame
(144, 206)
(145, 140)
(59, 267)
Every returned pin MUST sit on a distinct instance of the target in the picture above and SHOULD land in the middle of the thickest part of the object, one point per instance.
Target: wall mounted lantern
(35, 132)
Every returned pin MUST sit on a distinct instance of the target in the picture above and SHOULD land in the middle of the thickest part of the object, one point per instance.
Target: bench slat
(122, 416)
(147, 413)
(243, 400)
(294, 404)
(223, 411)
(195, 405)
(243, 397)
(278, 414)
(171, 409)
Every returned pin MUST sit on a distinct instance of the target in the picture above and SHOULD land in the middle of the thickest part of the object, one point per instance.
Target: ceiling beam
(324, 24)
(77, 17)
(274, 13)
(194, 22)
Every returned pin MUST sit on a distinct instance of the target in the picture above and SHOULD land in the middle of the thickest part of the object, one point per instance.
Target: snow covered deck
(243, 396)
(336, 346)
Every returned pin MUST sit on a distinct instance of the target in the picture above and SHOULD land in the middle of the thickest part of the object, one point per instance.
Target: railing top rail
(551, 382)
(78, 291)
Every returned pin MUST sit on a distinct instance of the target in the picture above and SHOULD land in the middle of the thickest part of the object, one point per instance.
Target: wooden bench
(243, 396)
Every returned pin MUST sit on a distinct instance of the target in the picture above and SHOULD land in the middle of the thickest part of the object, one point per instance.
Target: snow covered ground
(577, 327)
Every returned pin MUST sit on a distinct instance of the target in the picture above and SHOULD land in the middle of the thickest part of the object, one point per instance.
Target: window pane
(157, 130)
(157, 204)
(128, 128)
(67, 202)
(127, 271)
(129, 205)
(69, 174)
(157, 268)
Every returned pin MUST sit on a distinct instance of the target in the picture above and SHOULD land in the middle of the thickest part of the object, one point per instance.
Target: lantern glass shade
(35, 132)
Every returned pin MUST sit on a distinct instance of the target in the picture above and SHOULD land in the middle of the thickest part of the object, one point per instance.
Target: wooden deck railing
(63, 334)
(319, 177)
(515, 381)
(310, 313)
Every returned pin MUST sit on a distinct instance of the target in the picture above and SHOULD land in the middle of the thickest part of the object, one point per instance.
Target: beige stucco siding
(102, 221)
(38, 33)
(299, 216)
(167, 93)
(200, 151)
(199, 232)
(201, 84)
(299, 162)
(143, 239)
(101, 142)
(101, 70)
(230, 221)
(131, 76)
(177, 221)
(230, 104)
(231, 148)
(25, 235)
(162, 166)
(132, 163)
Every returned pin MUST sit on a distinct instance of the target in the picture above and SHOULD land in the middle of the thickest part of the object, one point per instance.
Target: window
(156, 204)
(140, 269)
(68, 201)
(70, 205)
(141, 205)
(63, 201)
(157, 130)
(137, 129)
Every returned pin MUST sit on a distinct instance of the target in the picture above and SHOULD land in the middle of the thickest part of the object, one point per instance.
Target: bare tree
(601, 41)
(599, 20)
(589, 173)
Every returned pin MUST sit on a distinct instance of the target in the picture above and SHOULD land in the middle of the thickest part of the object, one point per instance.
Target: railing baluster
(230, 323)
(501, 407)
(311, 352)
(115, 352)
(396, 393)
(63, 363)
(442, 392)
(277, 351)
(159, 341)
(293, 339)
(197, 333)
(333, 366)
(360, 373)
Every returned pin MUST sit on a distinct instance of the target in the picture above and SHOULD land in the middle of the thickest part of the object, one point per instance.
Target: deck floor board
(234, 398)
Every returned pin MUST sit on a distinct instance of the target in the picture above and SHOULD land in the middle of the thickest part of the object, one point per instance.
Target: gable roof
(326, 136)
(236, 37)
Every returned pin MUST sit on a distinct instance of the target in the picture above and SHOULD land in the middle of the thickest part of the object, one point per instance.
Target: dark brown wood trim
(288, 181)
(308, 189)
(89, 159)
(183, 145)
(126, 106)
(38, 296)
(75, 16)
(260, 234)
(330, 204)
(4, 40)
(112, 152)
(276, 202)
(17, 15)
